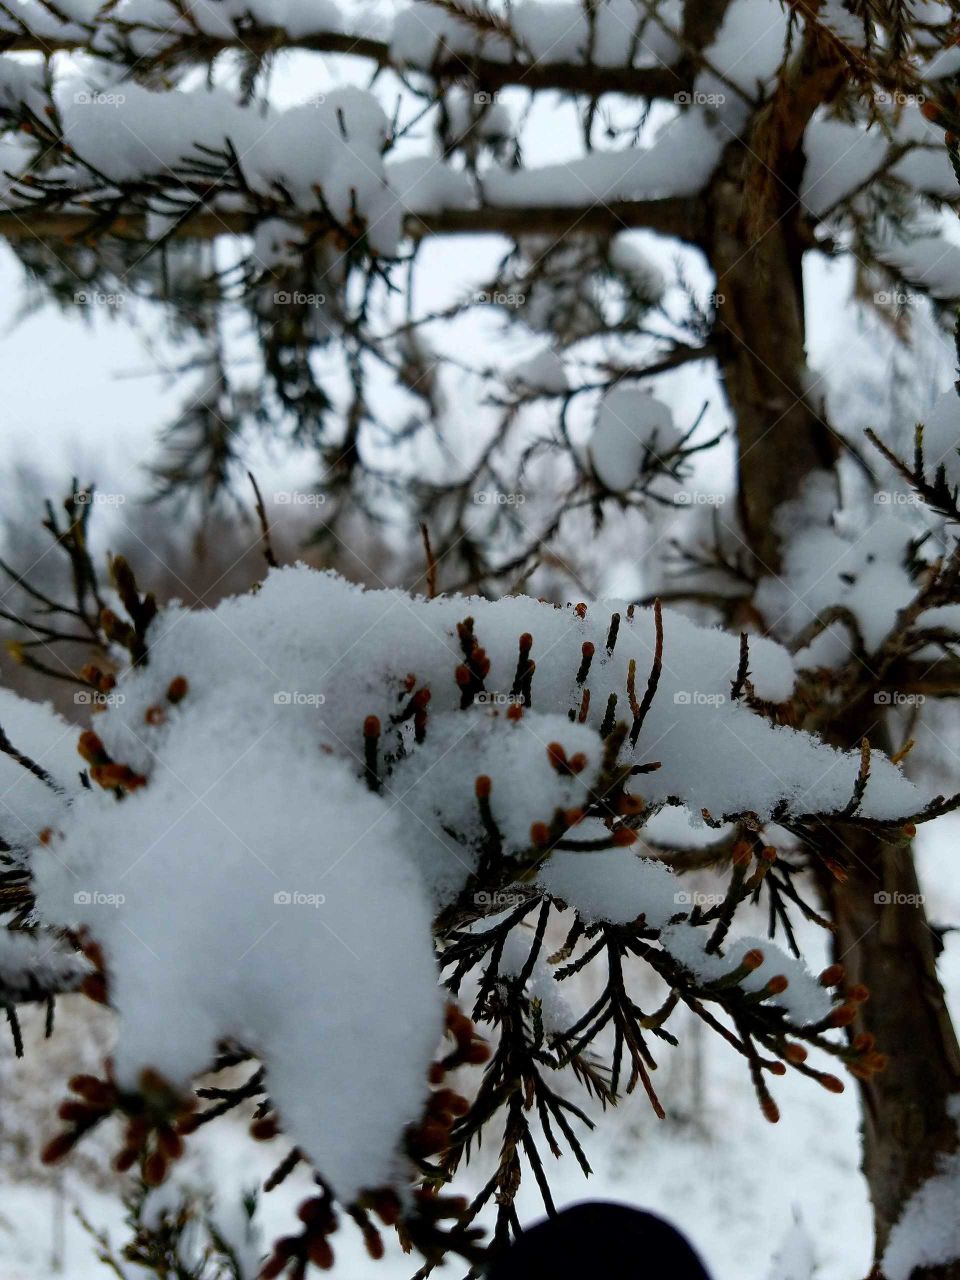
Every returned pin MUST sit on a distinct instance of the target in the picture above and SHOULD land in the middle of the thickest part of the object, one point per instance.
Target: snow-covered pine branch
(322, 784)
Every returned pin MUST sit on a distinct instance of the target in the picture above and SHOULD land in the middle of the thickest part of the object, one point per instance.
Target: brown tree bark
(782, 439)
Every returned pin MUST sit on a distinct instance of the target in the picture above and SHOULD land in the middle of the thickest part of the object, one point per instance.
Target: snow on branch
(625, 52)
(324, 787)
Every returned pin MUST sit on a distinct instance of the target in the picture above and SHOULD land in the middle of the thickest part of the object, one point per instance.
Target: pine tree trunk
(781, 441)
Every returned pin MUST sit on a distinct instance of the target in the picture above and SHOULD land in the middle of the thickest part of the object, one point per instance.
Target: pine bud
(540, 835)
(58, 1147)
(177, 689)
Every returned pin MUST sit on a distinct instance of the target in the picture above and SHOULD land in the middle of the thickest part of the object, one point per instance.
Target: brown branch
(674, 216)
(565, 77)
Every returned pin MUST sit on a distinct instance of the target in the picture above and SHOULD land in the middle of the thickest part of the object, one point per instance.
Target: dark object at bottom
(597, 1241)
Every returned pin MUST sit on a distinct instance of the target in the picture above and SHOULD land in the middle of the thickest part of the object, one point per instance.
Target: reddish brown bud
(795, 1053)
(57, 1147)
(94, 986)
(623, 836)
(265, 1128)
(483, 786)
(177, 689)
(833, 975)
(386, 1206)
(863, 1042)
(777, 984)
(515, 711)
(170, 1143)
(320, 1253)
(462, 676)
(371, 727)
(577, 763)
(540, 835)
(429, 1138)
(580, 610)
(770, 1110)
(91, 748)
(155, 715)
(81, 1083)
(831, 1083)
(478, 1052)
(843, 1015)
(753, 959)
(154, 1168)
(858, 993)
(374, 1242)
(741, 854)
(557, 757)
(74, 1111)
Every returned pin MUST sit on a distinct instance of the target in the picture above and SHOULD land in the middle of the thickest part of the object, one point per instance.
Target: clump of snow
(255, 884)
(927, 1234)
(828, 561)
(625, 174)
(614, 885)
(804, 1000)
(929, 262)
(265, 899)
(543, 372)
(841, 157)
(631, 427)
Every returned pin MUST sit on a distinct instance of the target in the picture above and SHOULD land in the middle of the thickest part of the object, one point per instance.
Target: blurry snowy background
(85, 393)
